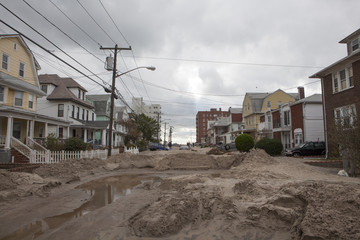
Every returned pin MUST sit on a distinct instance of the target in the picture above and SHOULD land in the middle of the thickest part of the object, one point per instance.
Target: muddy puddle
(101, 193)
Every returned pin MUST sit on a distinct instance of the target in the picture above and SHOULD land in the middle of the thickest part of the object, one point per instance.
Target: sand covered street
(180, 195)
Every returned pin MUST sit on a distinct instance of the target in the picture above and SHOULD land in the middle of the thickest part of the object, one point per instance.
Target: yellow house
(19, 90)
(256, 104)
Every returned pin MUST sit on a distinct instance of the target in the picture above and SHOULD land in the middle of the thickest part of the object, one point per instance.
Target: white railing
(2, 140)
(133, 150)
(21, 148)
(58, 156)
(34, 145)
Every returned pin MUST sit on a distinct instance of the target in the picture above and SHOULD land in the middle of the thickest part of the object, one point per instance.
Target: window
(83, 114)
(355, 44)
(22, 69)
(93, 116)
(19, 98)
(279, 104)
(78, 113)
(61, 132)
(44, 88)
(2, 94)
(31, 100)
(73, 111)
(287, 118)
(345, 115)
(60, 110)
(343, 80)
(5, 61)
(351, 80)
(15, 46)
(83, 96)
(87, 115)
(269, 104)
(79, 94)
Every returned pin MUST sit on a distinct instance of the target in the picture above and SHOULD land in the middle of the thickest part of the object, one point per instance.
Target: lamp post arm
(150, 68)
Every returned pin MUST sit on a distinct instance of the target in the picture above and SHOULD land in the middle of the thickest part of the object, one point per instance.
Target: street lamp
(112, 103)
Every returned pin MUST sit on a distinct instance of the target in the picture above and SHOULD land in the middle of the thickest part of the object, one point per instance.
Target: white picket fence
(58, 156)
(133, 150)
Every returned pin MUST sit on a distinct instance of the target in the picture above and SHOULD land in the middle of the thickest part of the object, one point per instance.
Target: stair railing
(22, 148)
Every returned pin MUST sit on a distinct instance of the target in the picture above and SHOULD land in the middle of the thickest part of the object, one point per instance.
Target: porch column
(46, 130)
(103, 137)
(85, 135)
(32, 127)
(68, 132)
(8, 132)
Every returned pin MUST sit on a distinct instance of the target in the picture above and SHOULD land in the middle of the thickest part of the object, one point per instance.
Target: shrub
(271, 146)
(76, 144)
(244, 142)
(53, 144)
(142, 145)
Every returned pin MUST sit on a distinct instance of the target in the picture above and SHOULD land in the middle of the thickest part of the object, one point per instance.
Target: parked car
(227, 146)
(307, 148)
(184, 147)
(156, 146)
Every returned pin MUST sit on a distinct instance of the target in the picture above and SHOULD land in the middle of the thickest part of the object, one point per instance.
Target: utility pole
(170, 133)
(164, 134)
(116, 49)
(158, 127)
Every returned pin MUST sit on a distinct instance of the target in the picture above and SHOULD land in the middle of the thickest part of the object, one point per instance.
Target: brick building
(340, 83)
(202, 118)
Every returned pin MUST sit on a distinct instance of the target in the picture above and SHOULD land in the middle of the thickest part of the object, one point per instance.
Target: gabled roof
(345, 40)
(315, 98)
(37, 65)
(257, 99)
(100, 102)
(61, 91)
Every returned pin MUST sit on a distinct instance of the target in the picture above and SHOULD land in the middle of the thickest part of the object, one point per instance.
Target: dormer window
(79, 94)
(44, 88)
(355, 44)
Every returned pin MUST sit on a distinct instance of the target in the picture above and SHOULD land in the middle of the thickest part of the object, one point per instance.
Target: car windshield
(302, 145)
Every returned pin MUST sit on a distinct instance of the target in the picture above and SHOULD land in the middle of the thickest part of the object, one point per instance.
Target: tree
(344, 138)
(141, 127)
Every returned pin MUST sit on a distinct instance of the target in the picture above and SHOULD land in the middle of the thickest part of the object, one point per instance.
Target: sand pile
(128, 160)
(69, 170)
(19, 184)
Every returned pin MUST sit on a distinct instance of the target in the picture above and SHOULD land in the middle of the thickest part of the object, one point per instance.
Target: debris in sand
(215, 151)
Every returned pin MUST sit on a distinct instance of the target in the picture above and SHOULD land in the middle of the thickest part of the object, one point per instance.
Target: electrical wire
(67, 35)
(95, 21)
(49, 42)
(48, 51)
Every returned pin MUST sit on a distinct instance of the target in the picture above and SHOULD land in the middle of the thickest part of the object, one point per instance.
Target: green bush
(271, 146)
(244, 142)
(76, 144)
(53, 144)
(142, 145)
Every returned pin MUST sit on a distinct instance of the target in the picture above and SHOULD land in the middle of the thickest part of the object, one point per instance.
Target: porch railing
(21, 148)
(2, 140)
(34, 145)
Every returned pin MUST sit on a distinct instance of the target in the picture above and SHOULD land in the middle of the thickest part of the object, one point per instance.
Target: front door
(17, 130)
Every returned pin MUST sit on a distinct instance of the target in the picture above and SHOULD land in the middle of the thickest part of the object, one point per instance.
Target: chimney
(301, 92)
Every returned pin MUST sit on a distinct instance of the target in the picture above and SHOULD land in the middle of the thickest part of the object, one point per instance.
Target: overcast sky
(207, 53)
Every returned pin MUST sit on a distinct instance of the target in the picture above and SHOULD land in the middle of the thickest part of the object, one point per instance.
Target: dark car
(226, 147)
(307, 148)
(156, 146)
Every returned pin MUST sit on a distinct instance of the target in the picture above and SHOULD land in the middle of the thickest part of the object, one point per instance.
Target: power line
(95, 21)
(49, 42)
(75, 23)
(62, 31)
(46, 50)
(228, 62)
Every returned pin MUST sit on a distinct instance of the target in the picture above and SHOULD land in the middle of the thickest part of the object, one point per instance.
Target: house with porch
(20, 122)
(65, 100)
(256, 104)
(340, 83)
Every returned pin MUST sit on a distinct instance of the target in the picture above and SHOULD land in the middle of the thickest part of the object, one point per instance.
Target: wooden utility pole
(165, 135)
(110, 137)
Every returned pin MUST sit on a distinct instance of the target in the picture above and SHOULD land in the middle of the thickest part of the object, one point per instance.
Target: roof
(235, 110)
(257, 99)
(20, 84)
(315, 98)
(100, 102)
(37, 65)
(345, 40)
(61, 91)
(344, 61)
